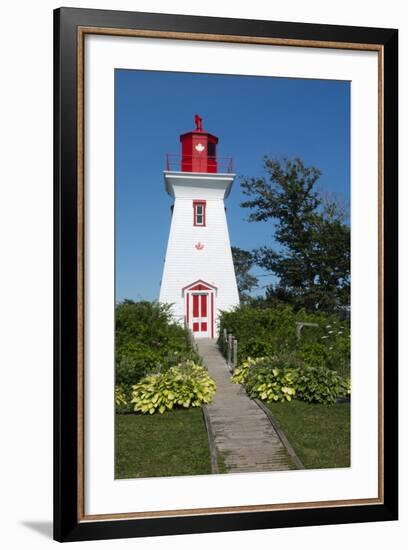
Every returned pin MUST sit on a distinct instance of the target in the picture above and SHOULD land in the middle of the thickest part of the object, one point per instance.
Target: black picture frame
(68, 525)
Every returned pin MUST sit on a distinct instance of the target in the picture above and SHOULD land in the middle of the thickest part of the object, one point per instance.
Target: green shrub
(272, 384)
(268, 378)
(147, 340)
(256, 347)
(185, 385)
(241, 373)
(313, 354)
(320, 385)
(267, 331)
(285, 376)
(143, 360)
(259, 331)
(263, 331)
(132, 367)
(338, 343)
(122, 398)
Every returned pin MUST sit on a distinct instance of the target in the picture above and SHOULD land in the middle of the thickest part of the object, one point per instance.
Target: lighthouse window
(199, 212)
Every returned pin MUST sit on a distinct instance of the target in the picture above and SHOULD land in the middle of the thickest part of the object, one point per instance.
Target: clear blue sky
(252, 117)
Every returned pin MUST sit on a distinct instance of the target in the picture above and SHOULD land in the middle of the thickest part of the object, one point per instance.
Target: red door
(200, 313)
(199, 308)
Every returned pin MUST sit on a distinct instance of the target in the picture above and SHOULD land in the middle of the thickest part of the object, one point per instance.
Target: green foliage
(311, 257)
(336, 339)
(283, 377)
(243, 261)
(135, 364)
(122, 398)
(257, 347)
(320, 385)
(259, 331)
(264, 331)
(272, 383)
(267, 332)
(185, 385)
(147, 340)
(269, 378)
(313, 354)
(241, 373)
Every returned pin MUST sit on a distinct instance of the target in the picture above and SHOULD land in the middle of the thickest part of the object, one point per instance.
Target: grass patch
(171, 444)
(320, 434)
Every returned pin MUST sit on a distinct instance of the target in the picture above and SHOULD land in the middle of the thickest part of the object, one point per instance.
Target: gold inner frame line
(81, 33)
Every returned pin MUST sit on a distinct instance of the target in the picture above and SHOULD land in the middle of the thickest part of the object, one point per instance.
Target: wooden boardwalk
(243, 434)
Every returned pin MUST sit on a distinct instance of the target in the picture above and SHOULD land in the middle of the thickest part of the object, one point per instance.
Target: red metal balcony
(197, 163)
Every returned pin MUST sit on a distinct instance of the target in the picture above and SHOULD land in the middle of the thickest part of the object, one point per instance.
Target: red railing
(196, 163)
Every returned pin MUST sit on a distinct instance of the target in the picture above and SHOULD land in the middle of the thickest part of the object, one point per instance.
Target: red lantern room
(198, 153)
(198, 149)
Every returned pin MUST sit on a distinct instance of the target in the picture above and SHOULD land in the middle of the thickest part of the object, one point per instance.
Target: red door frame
(200, 288)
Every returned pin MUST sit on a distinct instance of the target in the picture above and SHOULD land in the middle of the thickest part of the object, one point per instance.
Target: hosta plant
(320, 385)
(272, 384)
(185, 385)
(285, 376)
(241, 373)
(122, 398)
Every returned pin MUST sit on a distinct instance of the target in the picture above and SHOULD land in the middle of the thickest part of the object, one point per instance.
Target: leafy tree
(311, 254)
(243, 261)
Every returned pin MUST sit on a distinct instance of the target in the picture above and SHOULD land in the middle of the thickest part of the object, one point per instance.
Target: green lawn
(171, 444)
(320, 434)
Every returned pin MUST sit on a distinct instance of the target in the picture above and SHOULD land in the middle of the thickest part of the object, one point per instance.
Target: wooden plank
(242, 432)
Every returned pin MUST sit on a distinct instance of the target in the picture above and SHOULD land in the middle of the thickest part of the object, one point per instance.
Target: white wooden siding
(184, 264)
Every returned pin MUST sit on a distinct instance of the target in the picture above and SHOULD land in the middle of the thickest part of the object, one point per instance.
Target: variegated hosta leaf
(184, 385)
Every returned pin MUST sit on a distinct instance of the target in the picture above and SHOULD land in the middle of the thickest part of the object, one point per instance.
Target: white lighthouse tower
(198, 275)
